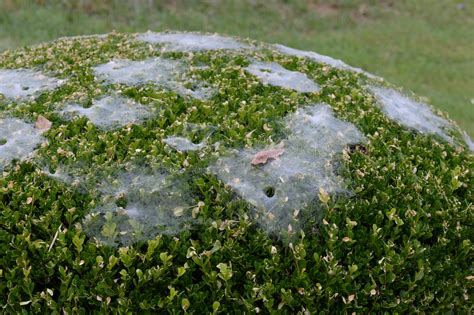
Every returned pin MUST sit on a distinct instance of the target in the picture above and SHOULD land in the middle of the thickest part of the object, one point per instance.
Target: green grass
(424, 46)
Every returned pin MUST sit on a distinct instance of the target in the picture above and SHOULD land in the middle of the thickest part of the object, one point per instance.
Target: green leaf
(125, 257)
(185, 304)
(225, 271)
(78, 240)
(165, 257)
(215, 306)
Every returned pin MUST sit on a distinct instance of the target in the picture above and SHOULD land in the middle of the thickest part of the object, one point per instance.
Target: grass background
(426, 46)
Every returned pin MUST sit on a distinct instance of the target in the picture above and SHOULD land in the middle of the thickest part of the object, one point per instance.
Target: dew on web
(199, 91)
(60, 174)
(410, 113)
(468, 141)
(139, 204)
(24, 83)
(17, 140)
(80, 37)
(336, 63)
(111, 112)
(124, 71)
(183, 144)
(192, 137)
(287, 180)
(191, 42)
(165, 73)
(274, 74)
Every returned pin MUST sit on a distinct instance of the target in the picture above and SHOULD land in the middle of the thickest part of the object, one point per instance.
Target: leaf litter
(43, 124)
(264, 156)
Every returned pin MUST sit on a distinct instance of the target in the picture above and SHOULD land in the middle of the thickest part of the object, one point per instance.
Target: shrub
(198, 173)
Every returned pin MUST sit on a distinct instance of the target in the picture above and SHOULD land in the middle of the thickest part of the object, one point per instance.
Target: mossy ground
(401, 243)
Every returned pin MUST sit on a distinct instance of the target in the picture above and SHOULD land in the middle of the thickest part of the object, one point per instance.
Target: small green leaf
(185, 304)
(215, 306)
(77, 240)
(225, 271)
(125, 257)
(165, 257)
(323, 196)
(181, 271)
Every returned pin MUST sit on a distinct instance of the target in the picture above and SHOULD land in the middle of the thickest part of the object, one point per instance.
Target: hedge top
(156, 168)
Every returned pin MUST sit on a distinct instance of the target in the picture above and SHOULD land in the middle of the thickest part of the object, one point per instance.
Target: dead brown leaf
(43, 124)
(262, 157)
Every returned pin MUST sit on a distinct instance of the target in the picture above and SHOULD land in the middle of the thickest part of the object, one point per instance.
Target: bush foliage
(401, 242)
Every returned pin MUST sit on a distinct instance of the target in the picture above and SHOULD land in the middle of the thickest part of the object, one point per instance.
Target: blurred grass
(426, 46)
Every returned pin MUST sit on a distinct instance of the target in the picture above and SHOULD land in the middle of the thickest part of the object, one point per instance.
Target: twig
(55, 237)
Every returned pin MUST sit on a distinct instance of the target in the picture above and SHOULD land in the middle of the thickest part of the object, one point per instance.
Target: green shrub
(388, 228)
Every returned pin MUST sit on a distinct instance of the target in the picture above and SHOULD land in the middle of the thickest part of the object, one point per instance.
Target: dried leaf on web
(43, 124)
(262, 157)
